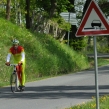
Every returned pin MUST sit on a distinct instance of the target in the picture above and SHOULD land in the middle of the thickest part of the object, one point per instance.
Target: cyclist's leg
(23, 74)
(21, 70)
(19, 75)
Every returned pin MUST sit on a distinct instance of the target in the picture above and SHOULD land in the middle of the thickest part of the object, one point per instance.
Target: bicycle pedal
(13, 72)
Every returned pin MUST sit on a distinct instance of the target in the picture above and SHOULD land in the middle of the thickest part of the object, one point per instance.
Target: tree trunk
(8, 9)
(27, 15)
(86, 6)
(53, 8)
(73, 27)
(84, 10)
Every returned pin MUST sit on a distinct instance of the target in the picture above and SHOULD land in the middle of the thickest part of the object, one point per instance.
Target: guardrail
(99, 55)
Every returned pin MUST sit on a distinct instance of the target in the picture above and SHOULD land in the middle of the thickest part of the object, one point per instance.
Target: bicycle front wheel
(14, 82)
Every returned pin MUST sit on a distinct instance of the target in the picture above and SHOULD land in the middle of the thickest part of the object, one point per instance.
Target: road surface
(57, 92)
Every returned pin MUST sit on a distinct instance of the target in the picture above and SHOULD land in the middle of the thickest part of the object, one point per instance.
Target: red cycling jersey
(16, 51)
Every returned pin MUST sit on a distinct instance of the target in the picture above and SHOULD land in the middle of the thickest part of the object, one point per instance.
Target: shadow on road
(62, 91)
(55, 92)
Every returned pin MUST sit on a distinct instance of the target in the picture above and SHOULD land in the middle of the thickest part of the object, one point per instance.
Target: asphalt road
(57, 92)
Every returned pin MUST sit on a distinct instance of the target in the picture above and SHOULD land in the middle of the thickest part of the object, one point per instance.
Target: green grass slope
(44, 55)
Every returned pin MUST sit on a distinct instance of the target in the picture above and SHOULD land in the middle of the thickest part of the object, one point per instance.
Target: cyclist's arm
(23, 56)
(8, 57)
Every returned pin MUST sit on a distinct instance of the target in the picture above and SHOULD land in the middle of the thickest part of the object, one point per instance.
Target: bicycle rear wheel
(14, 82)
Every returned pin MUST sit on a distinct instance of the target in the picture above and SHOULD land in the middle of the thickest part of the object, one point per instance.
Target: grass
(101, 62)
(103, 101)
(45, 56)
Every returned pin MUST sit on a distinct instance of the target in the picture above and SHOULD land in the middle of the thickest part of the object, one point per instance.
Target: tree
(8, 9)
(27, 15)
(86, 6)
(53, 8)
(75, 42)
(84, 10)
(103, 4)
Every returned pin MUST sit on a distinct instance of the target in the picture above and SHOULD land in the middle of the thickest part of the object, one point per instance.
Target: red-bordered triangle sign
(94, 22)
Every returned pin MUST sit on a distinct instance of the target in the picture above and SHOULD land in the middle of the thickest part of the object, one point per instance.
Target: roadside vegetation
(45, 56)
(104, 104)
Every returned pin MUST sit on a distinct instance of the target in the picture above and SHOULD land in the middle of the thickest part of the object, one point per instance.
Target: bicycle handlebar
(13, 64)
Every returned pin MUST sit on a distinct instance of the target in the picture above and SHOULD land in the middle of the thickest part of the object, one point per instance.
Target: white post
(68, 31)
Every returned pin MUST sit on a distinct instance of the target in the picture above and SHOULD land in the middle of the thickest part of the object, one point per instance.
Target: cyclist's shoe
(23, 88)
(20, 87)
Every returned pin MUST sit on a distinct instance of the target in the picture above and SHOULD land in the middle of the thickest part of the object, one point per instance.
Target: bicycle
(14, 81)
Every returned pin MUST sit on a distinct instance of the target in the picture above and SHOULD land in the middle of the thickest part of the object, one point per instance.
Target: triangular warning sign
(94, 22)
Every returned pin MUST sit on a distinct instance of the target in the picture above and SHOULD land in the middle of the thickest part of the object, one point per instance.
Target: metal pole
(96, 73)
(68, 31)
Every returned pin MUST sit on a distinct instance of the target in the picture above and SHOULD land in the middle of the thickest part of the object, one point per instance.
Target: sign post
(70, 18)
(93, 24)
(68, 31)
(96, 73)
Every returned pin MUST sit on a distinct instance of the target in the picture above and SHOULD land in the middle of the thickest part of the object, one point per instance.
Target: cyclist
(19, 58)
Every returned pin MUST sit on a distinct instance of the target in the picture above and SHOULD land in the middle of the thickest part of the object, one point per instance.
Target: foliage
(104, 100)
(61, 5)
(62, 24)
(38, 13)
(44, 55)
(40, 16)
(79, 5)
(103, 44)
(103, 5)
(78, 45)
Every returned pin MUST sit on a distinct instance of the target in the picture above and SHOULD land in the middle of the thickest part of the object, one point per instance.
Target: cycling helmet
(15, 41)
